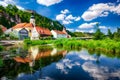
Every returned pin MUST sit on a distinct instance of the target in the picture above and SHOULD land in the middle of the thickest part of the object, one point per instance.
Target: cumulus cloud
(65, 11)
(70, 29)
(100, 10)
(19, 7)
(6, 2)
(48, 2)
(77, 18)
(60, 17)
(87, 25)
(88, 31)
(66, 18)
(91, 28)
(103, 27)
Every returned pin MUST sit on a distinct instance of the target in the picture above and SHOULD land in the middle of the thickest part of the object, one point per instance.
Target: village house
(60, 34)
(30, 30)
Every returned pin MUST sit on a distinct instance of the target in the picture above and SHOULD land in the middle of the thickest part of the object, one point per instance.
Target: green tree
(116, 35)
(98, 35)
(110, 35)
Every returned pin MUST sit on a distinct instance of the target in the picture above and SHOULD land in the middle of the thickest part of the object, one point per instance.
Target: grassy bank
(106, 45)
(37, 42)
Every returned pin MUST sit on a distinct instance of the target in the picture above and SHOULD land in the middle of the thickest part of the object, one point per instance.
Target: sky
(75, 15)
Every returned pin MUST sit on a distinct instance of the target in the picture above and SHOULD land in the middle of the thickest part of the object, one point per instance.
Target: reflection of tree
(110, 54)
(98, 57)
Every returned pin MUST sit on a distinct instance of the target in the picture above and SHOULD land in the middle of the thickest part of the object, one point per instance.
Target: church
(30, 30)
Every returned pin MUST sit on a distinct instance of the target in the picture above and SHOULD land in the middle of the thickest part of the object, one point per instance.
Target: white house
(59, 34)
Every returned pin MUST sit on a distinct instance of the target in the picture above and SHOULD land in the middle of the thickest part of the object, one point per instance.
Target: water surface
(49, 63)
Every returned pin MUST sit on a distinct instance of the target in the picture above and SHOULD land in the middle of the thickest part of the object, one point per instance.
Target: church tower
(32, 20)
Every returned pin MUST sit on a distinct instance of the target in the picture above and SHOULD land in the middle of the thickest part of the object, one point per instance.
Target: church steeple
(32, 19)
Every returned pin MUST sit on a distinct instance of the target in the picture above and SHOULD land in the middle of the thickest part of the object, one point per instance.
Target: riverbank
(106, 45)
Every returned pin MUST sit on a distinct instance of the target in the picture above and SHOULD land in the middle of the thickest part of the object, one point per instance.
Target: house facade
(30, 30)
(60, 34)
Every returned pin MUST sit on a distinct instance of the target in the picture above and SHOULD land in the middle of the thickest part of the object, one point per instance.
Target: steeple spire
(32, 19)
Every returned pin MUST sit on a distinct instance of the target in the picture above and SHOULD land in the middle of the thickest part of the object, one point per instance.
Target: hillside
(11, 15)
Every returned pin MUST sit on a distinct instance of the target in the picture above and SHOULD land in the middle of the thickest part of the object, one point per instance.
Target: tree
(110, 35)
(98, 35)
(116, 35)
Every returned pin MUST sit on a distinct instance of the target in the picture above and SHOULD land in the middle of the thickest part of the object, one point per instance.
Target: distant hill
(11, 15)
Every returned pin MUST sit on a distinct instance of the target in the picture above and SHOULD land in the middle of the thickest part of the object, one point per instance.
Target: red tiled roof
(43, 31)
(40, 30)
(29, 25)
(3, 28)
(59, 32)
(23, 25)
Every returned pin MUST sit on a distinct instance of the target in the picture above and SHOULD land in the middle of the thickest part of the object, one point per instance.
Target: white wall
(35, 35)
(55, 35)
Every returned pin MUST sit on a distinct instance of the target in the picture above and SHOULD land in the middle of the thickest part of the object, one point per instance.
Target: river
(50, 63)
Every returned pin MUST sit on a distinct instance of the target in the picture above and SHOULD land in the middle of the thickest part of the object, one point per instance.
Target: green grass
(106, 45)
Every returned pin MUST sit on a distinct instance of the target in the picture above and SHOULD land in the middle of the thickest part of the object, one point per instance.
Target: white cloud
(6, 2)
(91, 27)
(77, 18)
(103, 27)
(118, 0)
(65, 11)
(70, 17)
(48, 2)
(19, 7)
(60, 17)
(77, 30)
(70, 29)
(104, 14)
(91, 31)
(88, 31)
(67, 22)
(100, 10)
(87, 25)
(66, 18)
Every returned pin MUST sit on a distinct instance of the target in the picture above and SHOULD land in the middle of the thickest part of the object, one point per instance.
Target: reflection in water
(100, 72)
(52, 64)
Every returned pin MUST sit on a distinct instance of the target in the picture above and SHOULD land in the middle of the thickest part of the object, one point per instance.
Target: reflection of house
(60, 34)
(25, 30)
(35, 54)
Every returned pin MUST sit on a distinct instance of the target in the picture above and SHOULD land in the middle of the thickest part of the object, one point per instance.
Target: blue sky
(76, 15)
